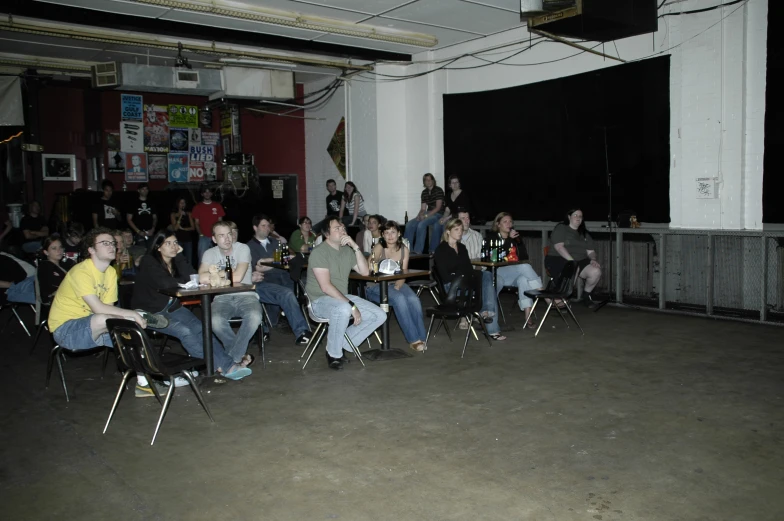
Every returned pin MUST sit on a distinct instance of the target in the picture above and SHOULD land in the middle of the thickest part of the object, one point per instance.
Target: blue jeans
(488, 301)
(339, 313)
(238, 305)
(281, 278)
(416, 231)
(408, 310)
(205, 243)
(77, 334)
(276, 296)
(521, 276)
(185, 327)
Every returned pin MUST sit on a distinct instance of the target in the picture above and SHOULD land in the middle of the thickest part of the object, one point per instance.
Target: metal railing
(722, 274)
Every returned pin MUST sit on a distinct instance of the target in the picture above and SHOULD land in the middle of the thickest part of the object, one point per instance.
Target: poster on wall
(158, 166)
(178, 167)
(115, 159)
(131, 107)
(131, 136)
(195, 136)
(178, 141)
(195, 171)
(136, 168)
(156, 128)
(210, 138)
(337, 147)
(210, 171)
(202, 153)
(184, 116)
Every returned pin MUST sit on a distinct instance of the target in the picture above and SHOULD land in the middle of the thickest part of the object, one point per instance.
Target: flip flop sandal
(252, 359)
(239, 374)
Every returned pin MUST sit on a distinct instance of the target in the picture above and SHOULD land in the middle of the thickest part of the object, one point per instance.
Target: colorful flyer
(136, 168)
(194, 136)
(178, 167)
(184, 116)
(196, 171)
(156, 128)
(131, 107)
(178, 140)
(131, 136)
(158, 166)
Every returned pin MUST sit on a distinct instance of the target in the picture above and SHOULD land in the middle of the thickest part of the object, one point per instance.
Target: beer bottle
(405, 219)
(229, 271)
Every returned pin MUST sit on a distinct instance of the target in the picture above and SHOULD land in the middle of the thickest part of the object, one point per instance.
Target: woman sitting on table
(570, 241)
(451, 260)
(407, 306)
(52, 268)
(302, 240)
(521, 276)
(372, 235)
(164, 267)
(455, 198)
(352, 206)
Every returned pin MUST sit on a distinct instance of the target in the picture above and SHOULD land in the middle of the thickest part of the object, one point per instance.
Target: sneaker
(153, 320)
(303, 339)
(179, 381)
(143, 391)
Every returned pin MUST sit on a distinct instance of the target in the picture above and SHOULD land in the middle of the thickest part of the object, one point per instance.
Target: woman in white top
(407, 306)
(352, 204)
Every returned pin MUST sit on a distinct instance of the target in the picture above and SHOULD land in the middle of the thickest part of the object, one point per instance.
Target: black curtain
(772, 178)
(538, 149)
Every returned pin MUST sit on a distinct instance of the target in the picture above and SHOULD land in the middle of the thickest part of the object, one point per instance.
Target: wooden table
(494, 267)
(207, 293)
(386, 352)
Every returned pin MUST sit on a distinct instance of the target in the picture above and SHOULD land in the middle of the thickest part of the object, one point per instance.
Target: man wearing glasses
(329, 267)
(87, 297)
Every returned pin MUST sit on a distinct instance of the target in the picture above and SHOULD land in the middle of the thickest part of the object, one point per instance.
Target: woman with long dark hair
(407, 306)
(570, 241)
(51, 268)
(451, 260)
(455, 199)
(162, 267)
(183, 226)
(352, 204)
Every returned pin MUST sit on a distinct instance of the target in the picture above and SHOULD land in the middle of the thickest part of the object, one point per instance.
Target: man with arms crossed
(86, 299)
(244, 305)
(329, 267)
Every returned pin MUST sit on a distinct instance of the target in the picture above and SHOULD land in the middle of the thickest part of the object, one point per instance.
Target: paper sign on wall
(131, 136)
(210, 138)
(136, 168)
(158, 166)
(156, 128)
(196, 171)
(178, 167)
(131, 107)
(183, 116)
(202, 153)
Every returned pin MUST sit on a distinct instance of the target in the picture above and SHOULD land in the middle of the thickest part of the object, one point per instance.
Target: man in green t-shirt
(329, 267)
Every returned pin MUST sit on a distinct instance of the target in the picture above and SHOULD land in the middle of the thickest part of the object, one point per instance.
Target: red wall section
(278, 145)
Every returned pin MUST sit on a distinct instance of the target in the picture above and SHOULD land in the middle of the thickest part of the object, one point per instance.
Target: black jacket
(153, 276)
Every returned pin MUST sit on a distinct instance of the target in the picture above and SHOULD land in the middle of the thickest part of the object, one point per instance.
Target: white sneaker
(179, 381)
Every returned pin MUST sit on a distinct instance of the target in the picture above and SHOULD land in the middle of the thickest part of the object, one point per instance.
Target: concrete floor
(646, 417)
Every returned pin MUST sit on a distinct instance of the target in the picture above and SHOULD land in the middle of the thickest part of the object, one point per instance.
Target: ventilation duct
(596, 20)
(256, 84)
(169, 80)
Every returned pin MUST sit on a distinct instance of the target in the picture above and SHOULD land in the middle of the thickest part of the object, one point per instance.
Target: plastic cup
(195, 278)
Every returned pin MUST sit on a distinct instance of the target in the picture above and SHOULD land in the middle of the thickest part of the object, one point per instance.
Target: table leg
(385, 352)
(206, 330)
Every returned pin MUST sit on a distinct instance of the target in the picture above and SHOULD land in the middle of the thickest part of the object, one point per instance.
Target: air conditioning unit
(530, 8)
(106, 75)
(186, 79)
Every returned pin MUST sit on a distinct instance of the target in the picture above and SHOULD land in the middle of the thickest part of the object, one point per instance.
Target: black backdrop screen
(538, 149)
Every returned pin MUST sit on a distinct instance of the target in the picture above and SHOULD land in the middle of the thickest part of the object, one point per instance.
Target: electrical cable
(703, 10)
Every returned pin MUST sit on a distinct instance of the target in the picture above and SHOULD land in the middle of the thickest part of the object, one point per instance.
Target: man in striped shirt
(431, 211)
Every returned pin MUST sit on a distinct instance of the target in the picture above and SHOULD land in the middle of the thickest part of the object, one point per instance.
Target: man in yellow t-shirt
(86, 298)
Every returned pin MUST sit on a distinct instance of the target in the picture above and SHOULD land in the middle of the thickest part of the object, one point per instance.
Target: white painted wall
(717, 98)
(318, 132)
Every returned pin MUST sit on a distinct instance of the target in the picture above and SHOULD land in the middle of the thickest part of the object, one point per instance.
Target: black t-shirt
(106, 218)
(141, 213)
(72, 252)
(461, 201)
(333, 203)
(34, 224)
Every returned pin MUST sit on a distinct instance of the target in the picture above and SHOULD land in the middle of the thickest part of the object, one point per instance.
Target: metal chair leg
(188, 376)
(429, 329)
(62, 378)
(164, 409)
(117, 397)
(356, 351)
(21, 322)
(316, 344)
(465, 343)
(485, 331)
(312, 338)
(41, 327)
(105, 361)
(435, 297)
(544, 318)
(446, 328)
(500, 307)
(569, 308)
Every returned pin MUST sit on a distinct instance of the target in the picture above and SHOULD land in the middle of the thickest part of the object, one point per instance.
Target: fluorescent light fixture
(299, 21)
(256, 63)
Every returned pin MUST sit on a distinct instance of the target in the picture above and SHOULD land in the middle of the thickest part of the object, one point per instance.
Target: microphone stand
(609, 299)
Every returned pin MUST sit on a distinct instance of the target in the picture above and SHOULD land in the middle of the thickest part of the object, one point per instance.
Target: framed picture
(59, 167)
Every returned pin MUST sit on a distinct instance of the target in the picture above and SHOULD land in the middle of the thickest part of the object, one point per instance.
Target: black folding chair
(560, 289)
(463, 300)
(137, 355)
